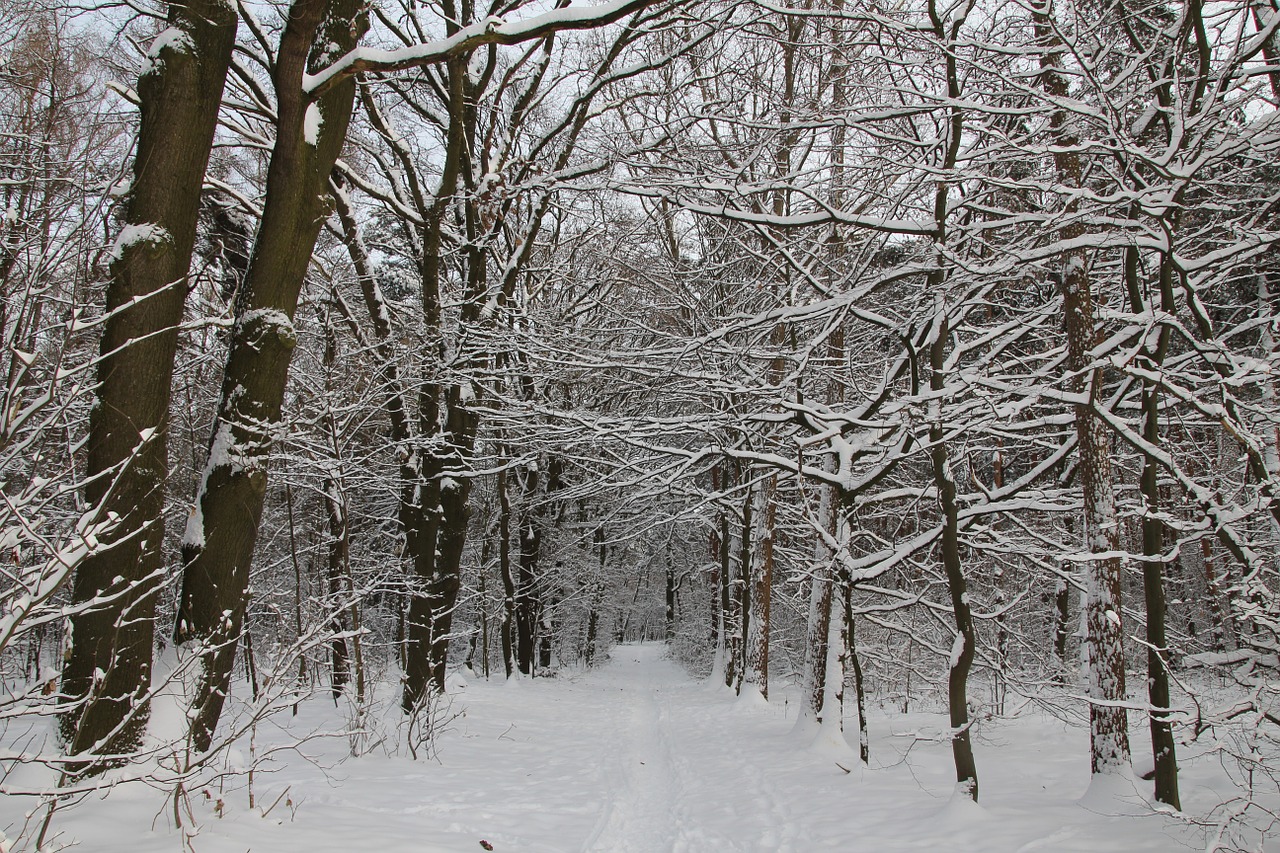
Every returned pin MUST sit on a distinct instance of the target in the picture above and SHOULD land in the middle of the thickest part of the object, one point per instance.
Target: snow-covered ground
(637, 757)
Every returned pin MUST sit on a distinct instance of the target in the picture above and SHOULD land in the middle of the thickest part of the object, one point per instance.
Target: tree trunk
(508, 578)
(221, 534)
(742, 598)
(128, 464)
(962, 651)
(1000, 678)
(671, 598)
(527, 581)
(1109, 734)
(339, 550)
(1163, 747)
(813, 684)
(756, 675)
(859, 689)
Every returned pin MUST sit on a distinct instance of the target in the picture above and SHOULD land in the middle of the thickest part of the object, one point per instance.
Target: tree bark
(742, 599)
(339, 548)
(965, 644)
(761, 582)
(820, 656)
(1163, 747)
(855, 663)
(527, 579)
(508, 577)
(179, 97)
(1109, 733)
(670, 614)
(965, 639)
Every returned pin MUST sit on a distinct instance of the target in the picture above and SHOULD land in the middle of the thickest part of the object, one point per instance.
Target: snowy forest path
(640, 816)
(681, 781)
(634, 756)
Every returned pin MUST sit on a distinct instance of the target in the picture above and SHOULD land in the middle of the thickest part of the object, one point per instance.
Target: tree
(108, 672)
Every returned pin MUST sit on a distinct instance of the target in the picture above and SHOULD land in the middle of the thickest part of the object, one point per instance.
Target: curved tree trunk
(962, 651)
(218, 545)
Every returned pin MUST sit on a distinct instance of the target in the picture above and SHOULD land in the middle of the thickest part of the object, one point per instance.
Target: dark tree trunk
(1218, 623)
(855, 663)
(1000, 677)
(508, 578)
(527, 604)
(760, 580)
(965, 644)
(1061, 619)
(593, 626)
(339, 551)
(218, 546)
(671, 598)
(818, 642)
(544, 644)
(127, 450)
(1163, 747)
(725, 587)
(742, 599)
(339, 546)
(726, 582)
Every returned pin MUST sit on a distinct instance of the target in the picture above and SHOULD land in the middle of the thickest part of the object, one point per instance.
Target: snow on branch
(493, 30)
(825, 216)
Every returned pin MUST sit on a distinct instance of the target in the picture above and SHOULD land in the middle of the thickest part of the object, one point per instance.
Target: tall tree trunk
(724, 593)
(819, 654)
(670, 614)
(508, 577)
(433, 588)
(742, 597)
(761, 581)
(527, 580)
(965, 644)
(594, 601)
(1163, 747)
(339, 544)
(108, 671)
(338, 555)
(1000, 677)
(817, 630)
(1109, 734)
(855, 662)
(715, 577)
(1061, 619)
(221, 534)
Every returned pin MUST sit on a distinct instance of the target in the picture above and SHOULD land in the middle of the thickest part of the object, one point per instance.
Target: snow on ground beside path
(636, 757)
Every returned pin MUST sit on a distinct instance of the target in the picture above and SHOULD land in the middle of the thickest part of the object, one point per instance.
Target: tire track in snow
(678, 780)
(642, 813)
(732, 802)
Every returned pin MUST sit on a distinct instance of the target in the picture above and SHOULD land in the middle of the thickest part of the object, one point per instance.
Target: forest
(874, 357)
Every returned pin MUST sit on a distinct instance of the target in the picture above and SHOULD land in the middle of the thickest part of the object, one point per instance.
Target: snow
(131, 235)
(223, 453)
(270, 317)
(492, 28)
(170, 38)
(311, 124)
(636, 757)
(957, 650)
